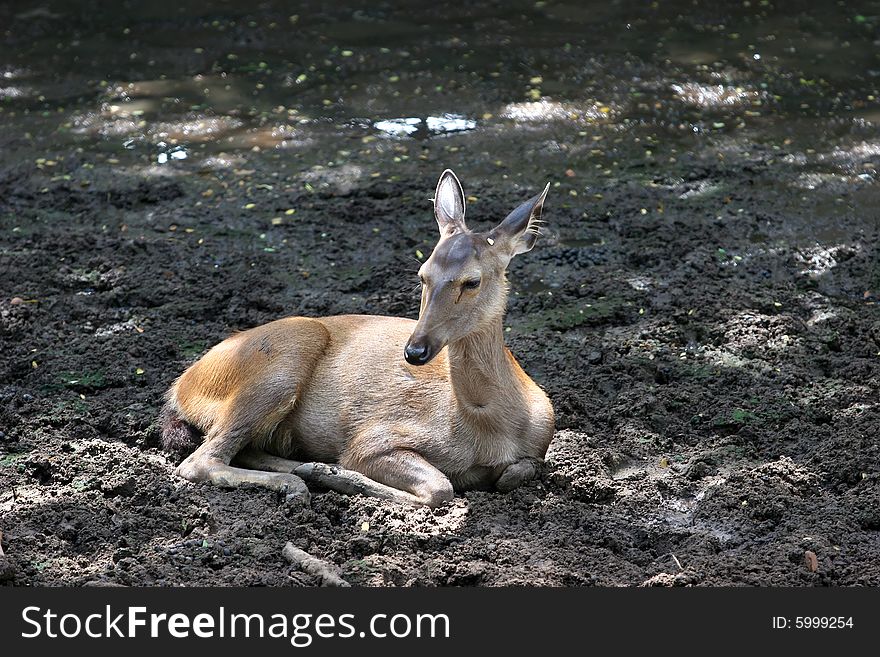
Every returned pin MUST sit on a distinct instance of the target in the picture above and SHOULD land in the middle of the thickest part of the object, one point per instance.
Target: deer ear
(520, 229)
(449, 204)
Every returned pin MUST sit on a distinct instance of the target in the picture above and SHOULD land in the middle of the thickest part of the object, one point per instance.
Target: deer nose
(417, 354)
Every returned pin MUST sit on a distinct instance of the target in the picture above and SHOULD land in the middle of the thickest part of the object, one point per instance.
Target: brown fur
(337, 389)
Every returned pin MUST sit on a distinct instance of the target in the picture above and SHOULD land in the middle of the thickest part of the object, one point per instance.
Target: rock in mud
(811, 562)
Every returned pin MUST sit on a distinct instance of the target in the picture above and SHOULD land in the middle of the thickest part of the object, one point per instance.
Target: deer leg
(256, 459)
(478, 477)
(328, 475)
(408, 471)
(210, 462)
(516, 474)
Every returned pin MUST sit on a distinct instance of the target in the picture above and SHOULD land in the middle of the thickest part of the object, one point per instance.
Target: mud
(702, 309)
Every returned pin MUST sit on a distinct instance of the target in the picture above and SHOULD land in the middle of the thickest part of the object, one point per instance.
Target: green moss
(572, 315)
(10, 460)
(193, 348)
(92, 380)
(737, 417)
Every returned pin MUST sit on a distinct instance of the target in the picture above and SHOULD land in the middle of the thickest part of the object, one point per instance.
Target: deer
(400, 409)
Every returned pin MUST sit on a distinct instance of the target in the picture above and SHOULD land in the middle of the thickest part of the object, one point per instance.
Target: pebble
(811, 562)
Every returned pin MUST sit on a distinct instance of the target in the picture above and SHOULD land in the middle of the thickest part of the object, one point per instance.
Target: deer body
(455, 413)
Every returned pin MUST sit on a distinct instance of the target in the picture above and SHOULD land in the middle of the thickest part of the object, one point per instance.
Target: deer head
(464, 284)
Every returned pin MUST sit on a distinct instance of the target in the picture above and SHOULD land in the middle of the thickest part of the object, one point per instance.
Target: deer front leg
(328, 475)
(407, 471)
(517, 473)
(210, 462)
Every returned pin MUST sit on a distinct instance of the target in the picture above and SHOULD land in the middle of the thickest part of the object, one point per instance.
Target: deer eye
(470, 284)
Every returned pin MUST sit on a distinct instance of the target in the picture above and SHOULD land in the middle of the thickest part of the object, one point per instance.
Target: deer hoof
(516, 474)
(438, 496)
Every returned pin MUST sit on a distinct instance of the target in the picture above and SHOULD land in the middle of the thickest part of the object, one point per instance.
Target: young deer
(455, 413)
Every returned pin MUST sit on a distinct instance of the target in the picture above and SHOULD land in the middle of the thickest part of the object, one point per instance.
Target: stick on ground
(327, 573)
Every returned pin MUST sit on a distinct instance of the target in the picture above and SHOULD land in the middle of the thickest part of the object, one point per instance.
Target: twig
(677, 562)
(327, 573)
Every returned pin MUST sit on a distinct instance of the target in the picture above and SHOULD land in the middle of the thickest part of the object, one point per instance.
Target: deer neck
(480, 371)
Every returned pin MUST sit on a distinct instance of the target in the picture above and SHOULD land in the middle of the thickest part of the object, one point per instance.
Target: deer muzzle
(418, 353)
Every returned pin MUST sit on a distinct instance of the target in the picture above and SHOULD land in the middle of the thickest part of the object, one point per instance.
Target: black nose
(417, 354)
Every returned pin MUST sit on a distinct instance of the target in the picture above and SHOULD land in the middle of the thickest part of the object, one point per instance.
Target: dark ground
(702, 310)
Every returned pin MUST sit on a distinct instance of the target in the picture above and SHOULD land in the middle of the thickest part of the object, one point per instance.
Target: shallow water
(582, 94)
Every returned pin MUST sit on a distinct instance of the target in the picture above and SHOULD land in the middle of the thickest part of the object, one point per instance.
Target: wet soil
(701, 310)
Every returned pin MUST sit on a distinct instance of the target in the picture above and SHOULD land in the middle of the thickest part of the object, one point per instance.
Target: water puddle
(373, 94)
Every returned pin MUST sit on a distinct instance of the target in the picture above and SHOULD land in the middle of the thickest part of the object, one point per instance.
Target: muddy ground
(702, 309)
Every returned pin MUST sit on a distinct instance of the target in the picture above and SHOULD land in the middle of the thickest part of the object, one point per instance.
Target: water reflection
(703, 95)
(13, 92)
(398, 127)
(545, 110)
(410, 126)
(178, 153)
(449, 123)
